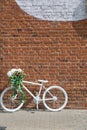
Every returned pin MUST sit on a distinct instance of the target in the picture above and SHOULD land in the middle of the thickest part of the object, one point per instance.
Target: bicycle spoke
(9, 102)
(55, 98)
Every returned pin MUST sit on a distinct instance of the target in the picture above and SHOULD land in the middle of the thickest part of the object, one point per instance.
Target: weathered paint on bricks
(55, 10)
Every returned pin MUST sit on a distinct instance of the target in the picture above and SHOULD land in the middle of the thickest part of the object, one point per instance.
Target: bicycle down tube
(32, 83)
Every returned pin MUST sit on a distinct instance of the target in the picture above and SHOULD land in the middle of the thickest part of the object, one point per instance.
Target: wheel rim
(9, 103)
(59, 98)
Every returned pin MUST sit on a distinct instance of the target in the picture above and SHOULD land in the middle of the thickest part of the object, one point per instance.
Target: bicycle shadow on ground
(2, 128)
(3, 111)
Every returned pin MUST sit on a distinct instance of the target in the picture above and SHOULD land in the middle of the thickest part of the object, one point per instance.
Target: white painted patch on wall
(55, 10)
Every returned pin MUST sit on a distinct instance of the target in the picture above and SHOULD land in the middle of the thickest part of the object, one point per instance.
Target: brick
(55, 51)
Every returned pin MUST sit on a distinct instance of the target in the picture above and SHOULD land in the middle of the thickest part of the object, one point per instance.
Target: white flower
(13, 70)
(9, 73)
(19, 70)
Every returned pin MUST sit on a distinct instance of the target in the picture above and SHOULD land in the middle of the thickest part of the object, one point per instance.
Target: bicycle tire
(60, 98)
(6, 100)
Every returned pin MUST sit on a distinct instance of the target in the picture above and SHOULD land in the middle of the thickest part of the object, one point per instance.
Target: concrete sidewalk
(44, 120)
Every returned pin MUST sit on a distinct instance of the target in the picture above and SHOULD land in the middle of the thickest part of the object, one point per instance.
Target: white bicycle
(54, 97)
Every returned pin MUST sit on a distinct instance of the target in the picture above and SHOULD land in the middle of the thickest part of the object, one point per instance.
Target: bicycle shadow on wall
(2, 128)
(81, 25)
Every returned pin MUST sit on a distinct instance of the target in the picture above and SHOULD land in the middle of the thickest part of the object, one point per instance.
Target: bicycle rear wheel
(9, 102)
(55, 98)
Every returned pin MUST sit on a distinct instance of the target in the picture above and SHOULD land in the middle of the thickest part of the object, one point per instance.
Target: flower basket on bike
(16, 78)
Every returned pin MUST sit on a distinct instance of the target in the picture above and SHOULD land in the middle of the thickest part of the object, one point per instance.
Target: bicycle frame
(39, 92)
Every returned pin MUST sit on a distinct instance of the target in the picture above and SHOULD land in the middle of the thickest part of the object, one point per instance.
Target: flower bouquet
(16, 78)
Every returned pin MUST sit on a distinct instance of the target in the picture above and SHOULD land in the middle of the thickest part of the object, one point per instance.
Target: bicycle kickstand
(37, 105)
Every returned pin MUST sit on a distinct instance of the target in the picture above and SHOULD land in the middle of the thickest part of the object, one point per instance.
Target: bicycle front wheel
(55, 98)
(9, 102)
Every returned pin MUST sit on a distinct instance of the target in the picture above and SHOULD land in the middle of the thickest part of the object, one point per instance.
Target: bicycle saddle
(42, 81)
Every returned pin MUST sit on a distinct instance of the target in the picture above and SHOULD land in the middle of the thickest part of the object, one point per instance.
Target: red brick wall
(56, 51)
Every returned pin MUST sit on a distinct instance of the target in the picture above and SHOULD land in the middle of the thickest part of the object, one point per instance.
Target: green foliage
(16, 80)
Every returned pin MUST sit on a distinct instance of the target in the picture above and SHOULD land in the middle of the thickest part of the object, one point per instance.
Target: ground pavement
(44, 120)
